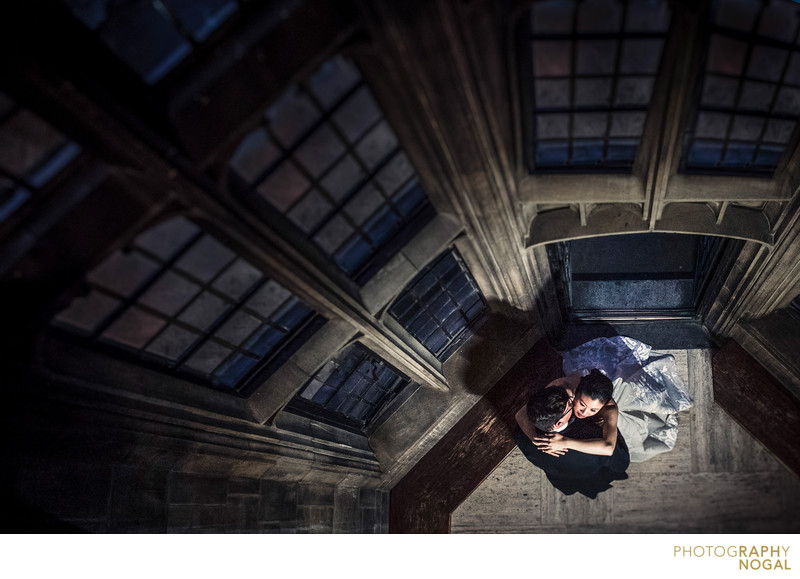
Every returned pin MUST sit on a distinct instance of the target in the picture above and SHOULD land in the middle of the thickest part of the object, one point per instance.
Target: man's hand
(551, 443)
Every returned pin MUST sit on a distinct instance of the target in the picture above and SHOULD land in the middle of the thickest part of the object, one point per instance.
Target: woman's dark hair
(596, 386)
(546, 407)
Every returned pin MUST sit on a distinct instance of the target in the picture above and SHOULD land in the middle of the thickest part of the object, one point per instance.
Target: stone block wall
(69, 496)
(65, 469)
(200, 503)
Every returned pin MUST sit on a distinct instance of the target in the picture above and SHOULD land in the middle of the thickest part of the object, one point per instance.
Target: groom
(550, 410)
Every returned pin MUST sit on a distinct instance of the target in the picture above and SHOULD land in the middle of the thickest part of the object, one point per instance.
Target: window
(439, 304)
(750, 95)
(350, 389)
(182, 300)
(327, 161)
(588, 70)
(32, 153)
(152, 36)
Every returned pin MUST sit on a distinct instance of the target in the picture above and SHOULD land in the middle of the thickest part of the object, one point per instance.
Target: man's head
(549, 408)
(592, 393)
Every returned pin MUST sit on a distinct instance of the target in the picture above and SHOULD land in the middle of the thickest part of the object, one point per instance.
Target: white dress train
(647, 389)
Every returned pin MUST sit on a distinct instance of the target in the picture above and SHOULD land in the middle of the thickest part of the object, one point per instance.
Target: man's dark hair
(546, 407)
(596, 386)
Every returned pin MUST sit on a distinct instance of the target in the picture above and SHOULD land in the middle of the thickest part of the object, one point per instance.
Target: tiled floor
(717, 479)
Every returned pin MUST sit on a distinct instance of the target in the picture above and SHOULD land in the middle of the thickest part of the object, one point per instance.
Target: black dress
(578, 472)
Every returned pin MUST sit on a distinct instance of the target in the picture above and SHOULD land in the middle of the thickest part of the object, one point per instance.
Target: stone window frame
(572, 191)
(374, 295)
(263, 369)
(71, 357)
(459, 243)
(753, 40)
(564, 206)
(303, 407)
(178, 399)
(446, 350)
(266, 404)
(524, 61)
(247, 193)
(443, 232)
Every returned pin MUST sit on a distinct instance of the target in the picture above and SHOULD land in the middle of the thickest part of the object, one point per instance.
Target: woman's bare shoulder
(608, 409)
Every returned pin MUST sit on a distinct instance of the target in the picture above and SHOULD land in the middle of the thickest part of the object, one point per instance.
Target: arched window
(182, 300)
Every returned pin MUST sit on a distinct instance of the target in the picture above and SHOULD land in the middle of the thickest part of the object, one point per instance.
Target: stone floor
(717, 479)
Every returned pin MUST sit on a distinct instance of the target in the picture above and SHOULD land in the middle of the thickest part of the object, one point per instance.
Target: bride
(647, 391)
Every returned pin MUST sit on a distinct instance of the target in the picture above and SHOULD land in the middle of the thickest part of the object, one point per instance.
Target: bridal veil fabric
(647, 389)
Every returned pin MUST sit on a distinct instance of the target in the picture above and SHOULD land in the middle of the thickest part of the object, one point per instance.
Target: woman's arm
(601, 446)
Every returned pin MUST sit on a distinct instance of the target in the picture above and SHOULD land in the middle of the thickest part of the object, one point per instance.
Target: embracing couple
(569, 430)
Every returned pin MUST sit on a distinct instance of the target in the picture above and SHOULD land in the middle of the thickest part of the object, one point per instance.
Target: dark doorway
(645, 275)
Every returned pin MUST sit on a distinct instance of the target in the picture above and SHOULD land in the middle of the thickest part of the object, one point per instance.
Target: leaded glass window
(350, 389)
(328, 162)
(32, 153)
(152, 36)
(750, 96)
(182, 300)
(438, 306)
(588, 70)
